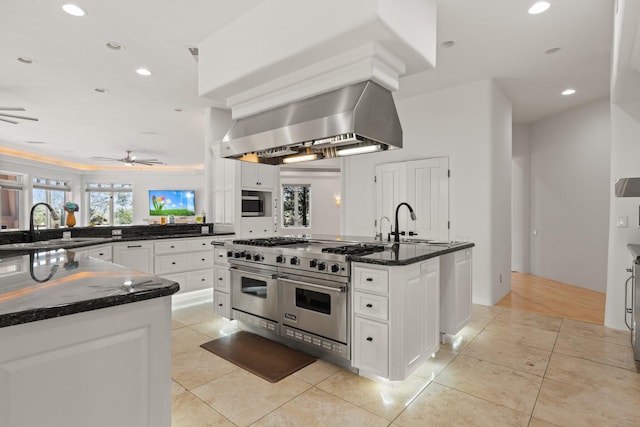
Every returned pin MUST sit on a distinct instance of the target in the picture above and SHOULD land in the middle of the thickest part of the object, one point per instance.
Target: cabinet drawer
(171, 263)
(371, 280)
(222, 304)
(199, 244)
(102, 252)
(371, 347)
(200, 279)
(200, 260)
(371, 305)
(221, 279)
(220, 255)
(170, 246)
(181, 279)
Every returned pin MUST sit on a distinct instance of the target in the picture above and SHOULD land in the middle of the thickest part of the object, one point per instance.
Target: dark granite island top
(43, 285)
(403, 253)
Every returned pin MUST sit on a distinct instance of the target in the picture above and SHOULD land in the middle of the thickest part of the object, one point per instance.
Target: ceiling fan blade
(147, 160)
(8, 121)
(142, 162)
(12, 109)
(13, 116)
(105, 158)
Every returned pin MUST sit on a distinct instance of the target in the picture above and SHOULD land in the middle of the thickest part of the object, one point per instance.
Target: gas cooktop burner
(354, 249)
(271, 241)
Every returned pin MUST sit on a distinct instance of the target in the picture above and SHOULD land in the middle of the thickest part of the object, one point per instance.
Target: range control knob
(322, 266)
(313, 263)
(280, 259)
(335, 268)
(294, 260)
(229, 254)
(258, 257)
(238, 254)
(248, 256)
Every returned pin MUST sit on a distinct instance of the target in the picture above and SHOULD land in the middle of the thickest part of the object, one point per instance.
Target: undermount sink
(51, 244)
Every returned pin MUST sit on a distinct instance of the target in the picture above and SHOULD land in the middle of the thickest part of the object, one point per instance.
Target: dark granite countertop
(403, 253)
(58, 283)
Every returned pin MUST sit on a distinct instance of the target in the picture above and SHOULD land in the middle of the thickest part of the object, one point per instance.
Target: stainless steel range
(296, 290)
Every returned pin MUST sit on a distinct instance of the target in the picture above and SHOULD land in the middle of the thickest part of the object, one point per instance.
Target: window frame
(112, 188)
(49, 185)
(296, 214)
(13, 185)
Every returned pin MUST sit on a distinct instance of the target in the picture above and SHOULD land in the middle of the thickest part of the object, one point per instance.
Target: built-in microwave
(252, 206)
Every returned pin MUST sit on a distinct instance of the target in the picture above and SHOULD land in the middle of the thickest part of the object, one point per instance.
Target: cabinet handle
(173, 263)
(219, 305)
(219, 278)
(172, 246)
(369, 339)
(369, 305)
(134, 246)
(369, 279)
(202, 280)
(101, 254)
(203, 259)
(220, 256)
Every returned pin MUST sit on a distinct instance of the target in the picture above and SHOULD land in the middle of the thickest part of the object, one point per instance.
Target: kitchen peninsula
(83, 342)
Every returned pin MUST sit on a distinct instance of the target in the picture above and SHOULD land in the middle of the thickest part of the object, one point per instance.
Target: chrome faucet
(396, 232)
(379, 235)
(54, 215)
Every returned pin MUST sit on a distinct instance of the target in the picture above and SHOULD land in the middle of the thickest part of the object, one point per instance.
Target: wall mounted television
(172, 202)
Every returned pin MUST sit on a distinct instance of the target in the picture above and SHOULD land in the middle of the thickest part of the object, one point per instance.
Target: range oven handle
(341, 289)
(628, 310)
(251, 273)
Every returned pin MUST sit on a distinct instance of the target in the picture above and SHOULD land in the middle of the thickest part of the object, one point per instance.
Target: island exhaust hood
(627, 187)
(360, 118)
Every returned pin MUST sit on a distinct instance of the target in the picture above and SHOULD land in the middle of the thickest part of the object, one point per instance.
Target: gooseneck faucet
(379, 235)
(396, 238)
(54, 215)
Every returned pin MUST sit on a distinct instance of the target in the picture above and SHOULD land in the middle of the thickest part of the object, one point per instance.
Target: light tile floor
(506, 368)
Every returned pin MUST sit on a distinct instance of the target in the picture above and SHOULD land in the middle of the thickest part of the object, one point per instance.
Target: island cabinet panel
(102, 368)
(103, 252)
(456, 292)
(396, 330)
(137, 255)
(221, 283)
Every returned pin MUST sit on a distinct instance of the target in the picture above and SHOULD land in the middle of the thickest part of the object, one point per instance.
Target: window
(110, 204)
(10, 200)
(296, 206)
(54, 193)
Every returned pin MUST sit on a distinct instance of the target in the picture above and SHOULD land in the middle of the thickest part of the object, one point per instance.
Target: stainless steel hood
(627, 187)
(355, 119)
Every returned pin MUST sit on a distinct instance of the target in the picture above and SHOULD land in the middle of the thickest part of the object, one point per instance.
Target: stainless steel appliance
(311, 280)
(632, 301)
(252, 206)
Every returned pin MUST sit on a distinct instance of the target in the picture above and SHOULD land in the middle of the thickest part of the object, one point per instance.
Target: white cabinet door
(455, 291)
(135, 255)
(255, 175)
(222, 279)
(222, 304)
(430, 280)
(257, 227)
(428, 194)
(389, 193)
(371, 346)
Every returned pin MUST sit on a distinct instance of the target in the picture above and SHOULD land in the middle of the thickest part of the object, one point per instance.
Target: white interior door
(428, 192)
(389, 192)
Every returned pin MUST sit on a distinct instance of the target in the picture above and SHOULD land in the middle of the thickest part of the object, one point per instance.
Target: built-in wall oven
(315, 311)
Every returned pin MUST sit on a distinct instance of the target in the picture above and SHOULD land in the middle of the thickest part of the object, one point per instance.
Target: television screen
(172, 202)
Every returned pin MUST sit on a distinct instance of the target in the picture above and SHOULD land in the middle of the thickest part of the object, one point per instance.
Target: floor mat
(267, 359)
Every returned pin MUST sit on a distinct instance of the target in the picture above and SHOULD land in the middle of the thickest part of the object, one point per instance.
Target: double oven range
(295, 291)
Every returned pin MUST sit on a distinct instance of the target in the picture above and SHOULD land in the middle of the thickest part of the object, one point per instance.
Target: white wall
(142, 181)
(520, 215)
(325, 186)
(570, 196)
(625, 155)
(471, 124)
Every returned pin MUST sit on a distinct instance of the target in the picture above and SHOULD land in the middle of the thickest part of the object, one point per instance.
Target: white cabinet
(137, 255)
(257, 227)
(455, 291)
(221, 283)
(224, 188)
(395, 317)
(256, 175)
(188, 261)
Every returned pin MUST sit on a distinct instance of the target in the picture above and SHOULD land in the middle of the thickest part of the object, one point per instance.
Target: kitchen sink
(52, 244)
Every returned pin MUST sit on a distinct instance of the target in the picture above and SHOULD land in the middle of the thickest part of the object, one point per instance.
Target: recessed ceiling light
(101, 90)
(551, 51)
(114, 45)
(26, 60)
(539, 7)
(74, 10)
(567, 92)
(448, 44)
(143, 72)
(178, 109)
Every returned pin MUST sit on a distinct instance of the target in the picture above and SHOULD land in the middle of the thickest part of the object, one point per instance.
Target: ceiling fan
(130, 160)
(13, 116)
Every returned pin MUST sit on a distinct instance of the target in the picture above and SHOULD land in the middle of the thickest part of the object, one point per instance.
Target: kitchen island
(83, 342)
